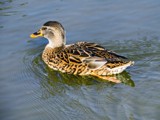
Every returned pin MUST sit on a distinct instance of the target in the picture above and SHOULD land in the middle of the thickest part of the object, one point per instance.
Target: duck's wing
(91, 54)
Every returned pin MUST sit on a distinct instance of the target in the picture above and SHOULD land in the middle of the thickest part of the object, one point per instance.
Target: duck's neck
(58, 40)
(55, 43)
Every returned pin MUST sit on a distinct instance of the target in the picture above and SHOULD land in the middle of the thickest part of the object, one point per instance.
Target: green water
(29, 90)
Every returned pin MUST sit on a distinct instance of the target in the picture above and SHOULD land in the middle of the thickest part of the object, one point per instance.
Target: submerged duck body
(82, 58)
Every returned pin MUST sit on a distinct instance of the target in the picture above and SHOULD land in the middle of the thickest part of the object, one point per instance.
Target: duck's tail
(105, 73)
(119, 69)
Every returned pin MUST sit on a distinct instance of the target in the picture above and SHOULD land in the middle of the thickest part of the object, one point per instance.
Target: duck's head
(54, 32)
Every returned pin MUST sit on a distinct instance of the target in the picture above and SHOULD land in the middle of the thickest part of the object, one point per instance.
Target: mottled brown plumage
(82, 58)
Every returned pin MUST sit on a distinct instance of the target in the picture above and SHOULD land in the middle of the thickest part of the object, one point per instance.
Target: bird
(81, 58)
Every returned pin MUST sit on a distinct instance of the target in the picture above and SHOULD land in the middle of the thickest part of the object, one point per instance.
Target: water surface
(29, 90)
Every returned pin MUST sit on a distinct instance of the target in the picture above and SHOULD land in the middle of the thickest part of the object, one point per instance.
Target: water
(29, 90)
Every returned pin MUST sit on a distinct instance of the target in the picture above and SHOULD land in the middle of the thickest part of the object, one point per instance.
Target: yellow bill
(36, 34)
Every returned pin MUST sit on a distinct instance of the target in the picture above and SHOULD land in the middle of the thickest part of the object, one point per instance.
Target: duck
(81, 58)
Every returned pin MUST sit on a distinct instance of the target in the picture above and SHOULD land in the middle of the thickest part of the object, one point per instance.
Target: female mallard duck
(82, 58)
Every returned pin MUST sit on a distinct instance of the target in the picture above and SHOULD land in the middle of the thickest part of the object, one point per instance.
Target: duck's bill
(36, 34)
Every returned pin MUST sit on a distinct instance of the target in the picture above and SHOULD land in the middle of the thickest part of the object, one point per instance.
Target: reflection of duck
(82, 58)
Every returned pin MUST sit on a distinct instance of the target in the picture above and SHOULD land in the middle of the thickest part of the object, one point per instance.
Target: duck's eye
(44, 28)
